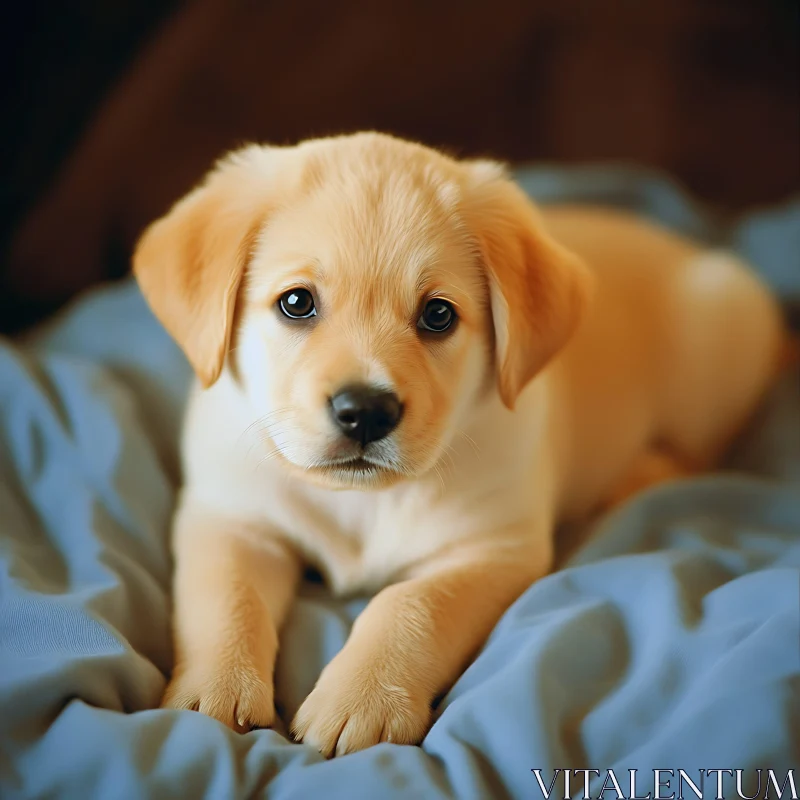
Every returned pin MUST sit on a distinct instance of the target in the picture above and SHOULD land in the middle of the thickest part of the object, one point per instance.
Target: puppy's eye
(297, 304)
(437, 316)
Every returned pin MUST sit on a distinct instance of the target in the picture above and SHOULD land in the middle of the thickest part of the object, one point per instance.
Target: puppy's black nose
(366, 414)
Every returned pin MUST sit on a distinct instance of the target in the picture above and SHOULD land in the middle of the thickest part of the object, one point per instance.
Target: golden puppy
(407, 377)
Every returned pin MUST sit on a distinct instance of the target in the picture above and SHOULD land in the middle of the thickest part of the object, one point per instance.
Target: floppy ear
(538, 289)
(190, 263)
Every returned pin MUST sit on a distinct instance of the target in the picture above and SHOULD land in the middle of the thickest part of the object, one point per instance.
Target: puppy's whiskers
(266, 420)
(476, 449)
(439, 475)
(270, 456)
(262, 431)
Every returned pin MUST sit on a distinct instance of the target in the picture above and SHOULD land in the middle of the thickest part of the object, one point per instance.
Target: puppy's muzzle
(364, 413)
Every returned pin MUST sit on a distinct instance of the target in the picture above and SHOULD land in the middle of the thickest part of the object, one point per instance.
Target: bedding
(669, 638)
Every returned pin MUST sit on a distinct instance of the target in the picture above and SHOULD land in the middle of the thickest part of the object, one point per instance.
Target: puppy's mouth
(355, 464)
(356, 470)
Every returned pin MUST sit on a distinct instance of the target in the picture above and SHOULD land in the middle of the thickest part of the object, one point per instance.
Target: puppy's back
(696, 328)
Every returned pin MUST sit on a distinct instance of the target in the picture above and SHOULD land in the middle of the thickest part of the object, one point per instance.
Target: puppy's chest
(361, 542)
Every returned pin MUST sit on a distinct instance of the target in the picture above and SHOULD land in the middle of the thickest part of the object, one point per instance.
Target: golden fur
(594, 354)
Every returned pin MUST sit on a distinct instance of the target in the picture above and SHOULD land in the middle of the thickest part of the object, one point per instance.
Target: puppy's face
(374, 292)
(365, 333)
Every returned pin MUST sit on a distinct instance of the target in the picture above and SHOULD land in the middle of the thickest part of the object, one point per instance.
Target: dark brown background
(113, 109)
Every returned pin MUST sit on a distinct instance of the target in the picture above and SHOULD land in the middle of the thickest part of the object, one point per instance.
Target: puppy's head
(365, 294)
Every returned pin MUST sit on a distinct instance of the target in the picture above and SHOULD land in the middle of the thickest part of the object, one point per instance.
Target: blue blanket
(669, 640)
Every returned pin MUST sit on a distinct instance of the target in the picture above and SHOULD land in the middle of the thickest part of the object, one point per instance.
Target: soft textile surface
(670, 640)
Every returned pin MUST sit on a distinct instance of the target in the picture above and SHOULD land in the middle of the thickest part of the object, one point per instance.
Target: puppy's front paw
(349, 711)
(235, 694)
